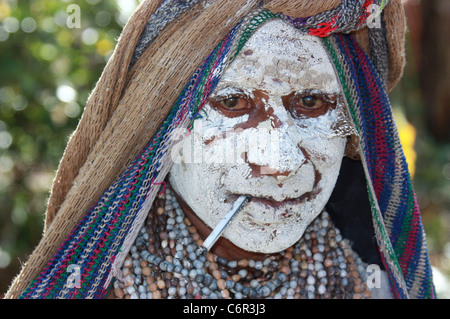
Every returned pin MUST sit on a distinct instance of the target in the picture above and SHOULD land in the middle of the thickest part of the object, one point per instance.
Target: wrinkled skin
(275, 131)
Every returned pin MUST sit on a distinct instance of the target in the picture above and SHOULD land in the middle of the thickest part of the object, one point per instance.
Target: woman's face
(274, 129)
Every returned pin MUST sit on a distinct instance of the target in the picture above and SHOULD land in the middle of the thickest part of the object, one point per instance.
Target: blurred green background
(48, 69)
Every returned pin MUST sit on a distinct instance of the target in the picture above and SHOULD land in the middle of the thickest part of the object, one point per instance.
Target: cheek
(319, 138)
(216, 125)
(327, 160)
(325, 150)
(200, 187)
(321, 127)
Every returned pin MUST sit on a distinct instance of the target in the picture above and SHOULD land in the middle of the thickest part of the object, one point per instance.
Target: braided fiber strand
(396, 215)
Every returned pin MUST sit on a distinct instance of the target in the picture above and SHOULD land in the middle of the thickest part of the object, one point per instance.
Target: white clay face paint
(305, 152)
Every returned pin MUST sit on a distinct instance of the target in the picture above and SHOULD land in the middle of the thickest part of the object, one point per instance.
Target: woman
(166, 84)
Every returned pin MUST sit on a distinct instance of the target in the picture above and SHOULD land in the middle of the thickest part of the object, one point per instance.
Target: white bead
(321, 289)
(134, 296)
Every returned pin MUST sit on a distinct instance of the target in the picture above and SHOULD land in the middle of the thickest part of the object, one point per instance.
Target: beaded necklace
(167, 261)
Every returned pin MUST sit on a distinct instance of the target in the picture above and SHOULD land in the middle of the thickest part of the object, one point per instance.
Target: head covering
(168, 60)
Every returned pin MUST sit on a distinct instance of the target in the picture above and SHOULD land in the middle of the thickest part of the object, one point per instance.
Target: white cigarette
(217, 232)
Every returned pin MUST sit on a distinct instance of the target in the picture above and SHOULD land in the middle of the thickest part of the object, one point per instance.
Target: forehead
(278, 56)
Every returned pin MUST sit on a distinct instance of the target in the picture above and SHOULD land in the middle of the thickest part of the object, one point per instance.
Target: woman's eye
(235, 103)
(310, 102)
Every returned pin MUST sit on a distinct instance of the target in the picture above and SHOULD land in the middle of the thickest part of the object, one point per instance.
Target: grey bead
(137, 270)
(238, 287)
(163, 265)
(179, 219)
(198, 264)
(229, 284)
(214, 295)
(254, 283)
(281, 276)
(318, 257)
(190, 248)
(178, 269)
(213, 285)
(193, 273)
(172, 291)
(138, 279)
(222, 261)
(344, 282)
(192, 256)
(172, 235)
(206, 291)
(266, 291)
(199, 278)
(207, 279)
(243, 273)
(321, 273)
(293, 284)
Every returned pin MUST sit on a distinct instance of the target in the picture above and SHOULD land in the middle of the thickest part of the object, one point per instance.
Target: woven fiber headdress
(169, 58)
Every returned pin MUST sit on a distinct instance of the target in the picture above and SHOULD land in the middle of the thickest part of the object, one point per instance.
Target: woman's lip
(267, 201)
(282, 214)
(279, 204)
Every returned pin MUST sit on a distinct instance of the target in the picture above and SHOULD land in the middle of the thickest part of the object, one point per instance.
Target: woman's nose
(274, 151)
(264, 170)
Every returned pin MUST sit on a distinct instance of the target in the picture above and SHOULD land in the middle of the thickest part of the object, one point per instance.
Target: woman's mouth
(272, 203)
(266, 210)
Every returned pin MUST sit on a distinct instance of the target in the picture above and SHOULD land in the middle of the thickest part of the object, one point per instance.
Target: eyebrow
(229, 90)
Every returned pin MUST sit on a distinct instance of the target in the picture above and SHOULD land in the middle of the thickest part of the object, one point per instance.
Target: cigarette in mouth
(217, 232)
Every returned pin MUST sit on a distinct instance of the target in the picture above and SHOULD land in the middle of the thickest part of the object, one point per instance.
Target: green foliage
(48, 70)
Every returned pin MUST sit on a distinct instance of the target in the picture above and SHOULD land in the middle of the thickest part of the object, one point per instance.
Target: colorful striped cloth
(96, 247)
(396, 215)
